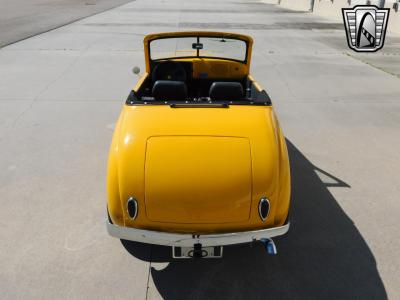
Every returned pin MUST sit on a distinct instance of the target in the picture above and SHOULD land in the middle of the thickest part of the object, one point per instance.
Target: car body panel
(139, 123)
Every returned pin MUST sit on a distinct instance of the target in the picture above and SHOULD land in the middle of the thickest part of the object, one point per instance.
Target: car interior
(179, 81)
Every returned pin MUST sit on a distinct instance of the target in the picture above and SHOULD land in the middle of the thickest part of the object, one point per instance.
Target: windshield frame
(210, 34)
(198, 37)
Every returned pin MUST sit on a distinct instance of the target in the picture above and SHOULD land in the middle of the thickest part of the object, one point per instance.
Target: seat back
(168, 90)
(226, 91)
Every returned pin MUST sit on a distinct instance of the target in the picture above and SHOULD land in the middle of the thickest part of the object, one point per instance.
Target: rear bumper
(188, 240)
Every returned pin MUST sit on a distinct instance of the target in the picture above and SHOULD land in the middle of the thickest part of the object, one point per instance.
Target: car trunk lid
(198, 179)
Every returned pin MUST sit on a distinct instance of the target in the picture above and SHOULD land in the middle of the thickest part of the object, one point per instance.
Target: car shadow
(323, 256)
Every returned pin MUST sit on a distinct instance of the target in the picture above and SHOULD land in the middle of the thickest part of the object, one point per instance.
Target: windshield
(212, 47)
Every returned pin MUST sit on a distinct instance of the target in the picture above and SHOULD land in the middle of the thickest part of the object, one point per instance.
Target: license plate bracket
(197, 251)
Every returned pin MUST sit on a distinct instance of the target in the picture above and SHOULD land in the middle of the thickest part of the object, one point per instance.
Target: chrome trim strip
(188, 240)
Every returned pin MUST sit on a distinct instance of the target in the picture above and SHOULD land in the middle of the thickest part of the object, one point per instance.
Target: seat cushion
(167, 90)
(226, 91)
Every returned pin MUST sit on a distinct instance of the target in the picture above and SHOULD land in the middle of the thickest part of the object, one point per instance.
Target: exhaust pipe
(270, 246)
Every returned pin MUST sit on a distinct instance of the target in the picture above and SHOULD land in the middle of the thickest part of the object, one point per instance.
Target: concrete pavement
(61, 93)
(20, 19)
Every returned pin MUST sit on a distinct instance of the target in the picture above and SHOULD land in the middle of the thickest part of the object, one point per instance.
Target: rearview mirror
(197, 46)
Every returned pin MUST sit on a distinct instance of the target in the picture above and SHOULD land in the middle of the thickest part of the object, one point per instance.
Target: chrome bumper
(188, 240)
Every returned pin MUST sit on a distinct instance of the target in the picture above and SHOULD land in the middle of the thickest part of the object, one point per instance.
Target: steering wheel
(169, 70)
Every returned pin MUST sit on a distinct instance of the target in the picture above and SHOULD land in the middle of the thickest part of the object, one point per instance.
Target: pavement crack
(372, 65)
(148, 274)
(22, 113)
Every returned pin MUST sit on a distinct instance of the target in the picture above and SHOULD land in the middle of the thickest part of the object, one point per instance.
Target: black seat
(168, 90)
(226, 91)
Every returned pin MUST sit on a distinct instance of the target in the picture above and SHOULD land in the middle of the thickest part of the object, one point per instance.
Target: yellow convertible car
(198, 159)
